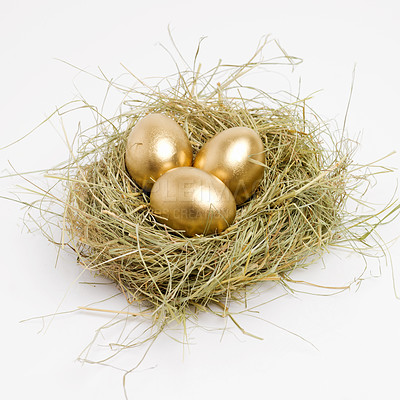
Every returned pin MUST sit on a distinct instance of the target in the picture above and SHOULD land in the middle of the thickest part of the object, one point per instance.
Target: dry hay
(298, 210)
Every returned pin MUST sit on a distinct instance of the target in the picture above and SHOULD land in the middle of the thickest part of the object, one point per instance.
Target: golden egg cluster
(198, 199)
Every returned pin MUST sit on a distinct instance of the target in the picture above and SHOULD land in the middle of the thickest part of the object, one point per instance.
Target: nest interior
(295, 213)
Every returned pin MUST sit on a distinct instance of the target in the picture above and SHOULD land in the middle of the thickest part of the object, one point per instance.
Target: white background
(356, 332)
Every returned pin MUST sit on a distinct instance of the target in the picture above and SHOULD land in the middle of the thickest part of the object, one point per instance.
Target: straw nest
(297, 211)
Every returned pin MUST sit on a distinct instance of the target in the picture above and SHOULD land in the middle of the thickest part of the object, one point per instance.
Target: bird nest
(297, 211)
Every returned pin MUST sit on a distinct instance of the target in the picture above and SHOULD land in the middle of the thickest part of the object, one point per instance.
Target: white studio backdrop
(343, 346)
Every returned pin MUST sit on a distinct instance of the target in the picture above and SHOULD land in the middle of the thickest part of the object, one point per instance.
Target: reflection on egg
(155, 145)
(228, 156)
(193, 201)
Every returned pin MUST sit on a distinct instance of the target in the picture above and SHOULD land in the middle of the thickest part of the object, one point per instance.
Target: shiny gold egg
(229, 156)
(193, 201)
(155, 145)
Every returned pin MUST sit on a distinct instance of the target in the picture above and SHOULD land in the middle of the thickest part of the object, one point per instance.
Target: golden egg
(155, 145)
(193, 201)
(228, 156)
